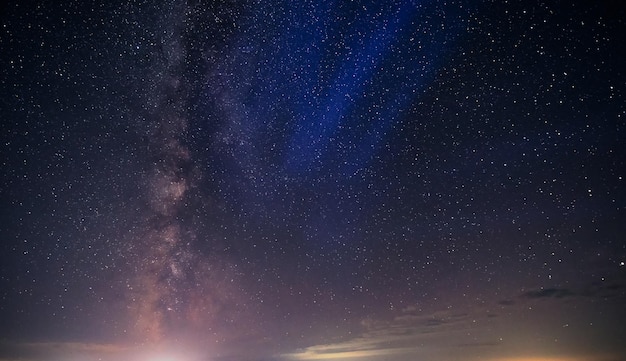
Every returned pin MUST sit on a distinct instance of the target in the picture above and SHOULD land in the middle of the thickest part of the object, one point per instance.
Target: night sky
(312, 180)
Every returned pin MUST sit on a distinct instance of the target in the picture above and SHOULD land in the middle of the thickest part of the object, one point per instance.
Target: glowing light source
(164, 357)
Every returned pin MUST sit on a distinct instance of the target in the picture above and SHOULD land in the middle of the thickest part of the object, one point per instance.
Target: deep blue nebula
(310, 93)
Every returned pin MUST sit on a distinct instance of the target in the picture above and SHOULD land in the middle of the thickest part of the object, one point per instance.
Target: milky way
(280, 181)
(175, 291)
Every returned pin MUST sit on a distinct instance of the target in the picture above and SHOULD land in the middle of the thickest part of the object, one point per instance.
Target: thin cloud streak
(48, 351)
(405, 334)
(310, 354)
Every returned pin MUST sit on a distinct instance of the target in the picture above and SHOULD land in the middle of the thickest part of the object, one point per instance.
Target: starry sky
(312, 180)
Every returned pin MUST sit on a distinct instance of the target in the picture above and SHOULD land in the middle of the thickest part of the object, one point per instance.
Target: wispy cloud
(46, 351)
(407, 333)
(312, 354)
(601, 290)
(549, 293)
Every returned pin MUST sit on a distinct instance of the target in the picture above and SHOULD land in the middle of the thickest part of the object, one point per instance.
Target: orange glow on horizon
(556, 358)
